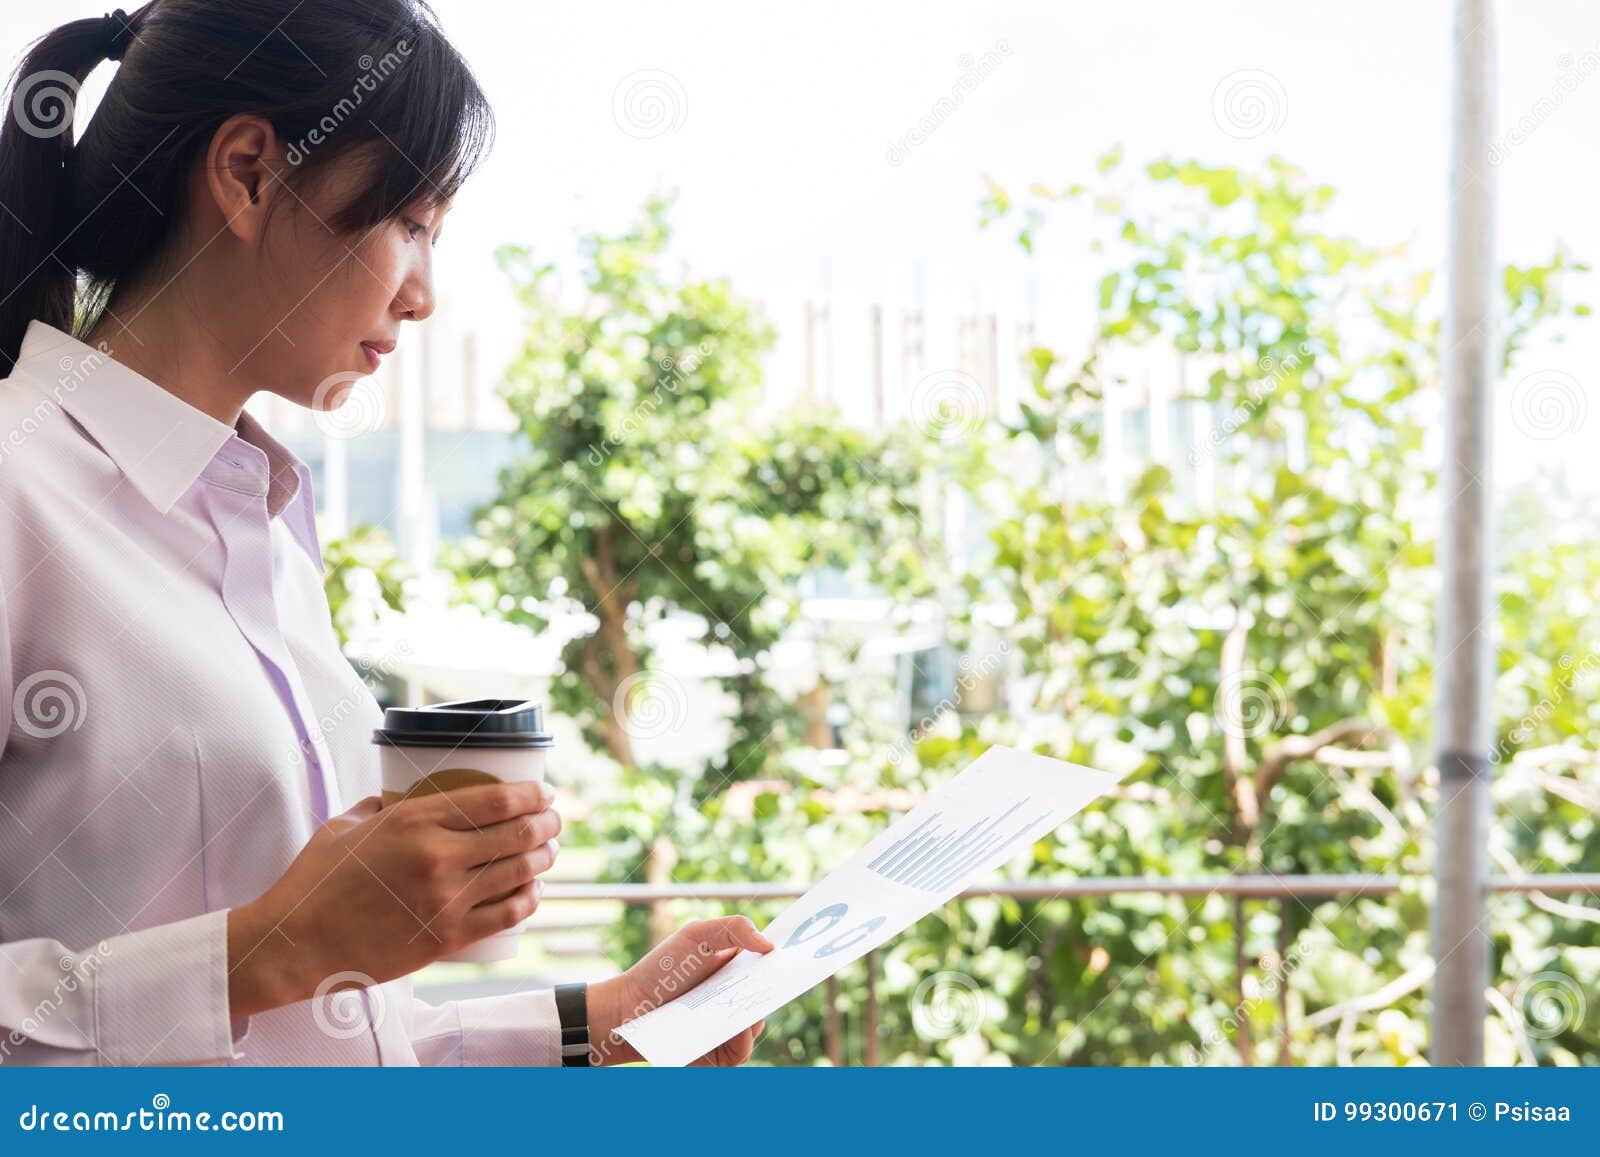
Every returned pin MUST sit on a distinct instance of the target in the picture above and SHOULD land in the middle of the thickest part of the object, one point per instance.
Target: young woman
(183, 877)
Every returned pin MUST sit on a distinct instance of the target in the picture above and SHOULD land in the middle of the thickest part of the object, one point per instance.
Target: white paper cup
(443, 746)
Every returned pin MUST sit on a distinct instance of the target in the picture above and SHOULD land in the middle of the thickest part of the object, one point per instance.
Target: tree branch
(1294, 747)
(1408, 981)
(1230, 669)
(610, 641)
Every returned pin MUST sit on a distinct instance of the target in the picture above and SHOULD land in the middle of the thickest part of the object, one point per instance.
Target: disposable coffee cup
(423, 750)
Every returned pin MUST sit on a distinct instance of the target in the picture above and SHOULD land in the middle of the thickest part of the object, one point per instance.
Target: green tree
(1262, 651)
(362, 571)
(646, 491)
(1266, 649)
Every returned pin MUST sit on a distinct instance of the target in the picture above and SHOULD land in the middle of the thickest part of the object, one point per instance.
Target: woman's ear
(241, 173)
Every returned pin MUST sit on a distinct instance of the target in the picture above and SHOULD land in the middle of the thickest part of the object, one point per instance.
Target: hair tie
(115, 32)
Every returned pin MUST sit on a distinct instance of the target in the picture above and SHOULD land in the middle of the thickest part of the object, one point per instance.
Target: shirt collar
(288, 488)
(160, 442)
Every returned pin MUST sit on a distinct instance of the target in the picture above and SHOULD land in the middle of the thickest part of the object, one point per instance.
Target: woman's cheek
(388, 268)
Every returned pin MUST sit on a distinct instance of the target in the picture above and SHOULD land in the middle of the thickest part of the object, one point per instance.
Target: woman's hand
(380, 893)
(680, 962)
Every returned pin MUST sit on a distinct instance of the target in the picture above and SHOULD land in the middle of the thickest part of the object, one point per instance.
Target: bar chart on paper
(996, 806)
(706, 993)
(931, 854)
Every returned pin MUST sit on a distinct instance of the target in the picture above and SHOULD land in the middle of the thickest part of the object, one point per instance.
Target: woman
(183, 877)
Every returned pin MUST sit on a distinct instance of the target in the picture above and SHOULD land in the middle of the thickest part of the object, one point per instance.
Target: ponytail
(330, 77)
(38, 278)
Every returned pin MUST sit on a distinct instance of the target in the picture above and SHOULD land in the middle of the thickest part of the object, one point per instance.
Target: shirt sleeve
(517, 1028)
(158, 996)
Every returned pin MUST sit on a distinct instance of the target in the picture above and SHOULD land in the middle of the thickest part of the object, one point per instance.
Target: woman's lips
(374, 353)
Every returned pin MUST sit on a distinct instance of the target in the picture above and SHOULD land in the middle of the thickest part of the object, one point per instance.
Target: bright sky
(777, 118)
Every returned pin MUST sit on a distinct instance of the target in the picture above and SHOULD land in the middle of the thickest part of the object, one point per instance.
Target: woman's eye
(415, 229)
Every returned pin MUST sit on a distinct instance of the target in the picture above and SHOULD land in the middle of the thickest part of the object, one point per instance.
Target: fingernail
(555, 845)
(538, 887)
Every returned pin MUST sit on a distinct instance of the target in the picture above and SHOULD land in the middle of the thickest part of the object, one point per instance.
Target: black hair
(330, 76)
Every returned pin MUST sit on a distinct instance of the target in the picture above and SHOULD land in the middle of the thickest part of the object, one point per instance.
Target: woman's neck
(172, 347)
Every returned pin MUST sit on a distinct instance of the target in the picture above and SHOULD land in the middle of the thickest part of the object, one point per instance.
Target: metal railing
(1249, 887)
(1282, 889)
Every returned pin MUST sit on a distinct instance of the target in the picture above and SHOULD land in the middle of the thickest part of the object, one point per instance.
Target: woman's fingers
(510, 872)
(723, 939)
(715, 962)
(702, 948)
(511, 837)
(483, 804)
(497, 915)
(709, 937)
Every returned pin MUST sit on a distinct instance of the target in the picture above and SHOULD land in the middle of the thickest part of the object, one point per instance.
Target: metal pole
(1466, 609)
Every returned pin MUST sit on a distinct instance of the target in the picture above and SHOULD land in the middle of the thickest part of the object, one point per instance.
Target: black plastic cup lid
(466, 723)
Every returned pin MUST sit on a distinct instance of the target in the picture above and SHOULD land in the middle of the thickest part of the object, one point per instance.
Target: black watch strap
(572, 1007)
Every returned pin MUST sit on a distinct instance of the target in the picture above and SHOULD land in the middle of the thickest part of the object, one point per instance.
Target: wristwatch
(572, 1007)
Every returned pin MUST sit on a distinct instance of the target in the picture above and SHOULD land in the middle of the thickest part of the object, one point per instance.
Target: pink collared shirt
(176, 719)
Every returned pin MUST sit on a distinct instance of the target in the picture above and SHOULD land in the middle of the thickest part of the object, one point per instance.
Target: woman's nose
(416, 300)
